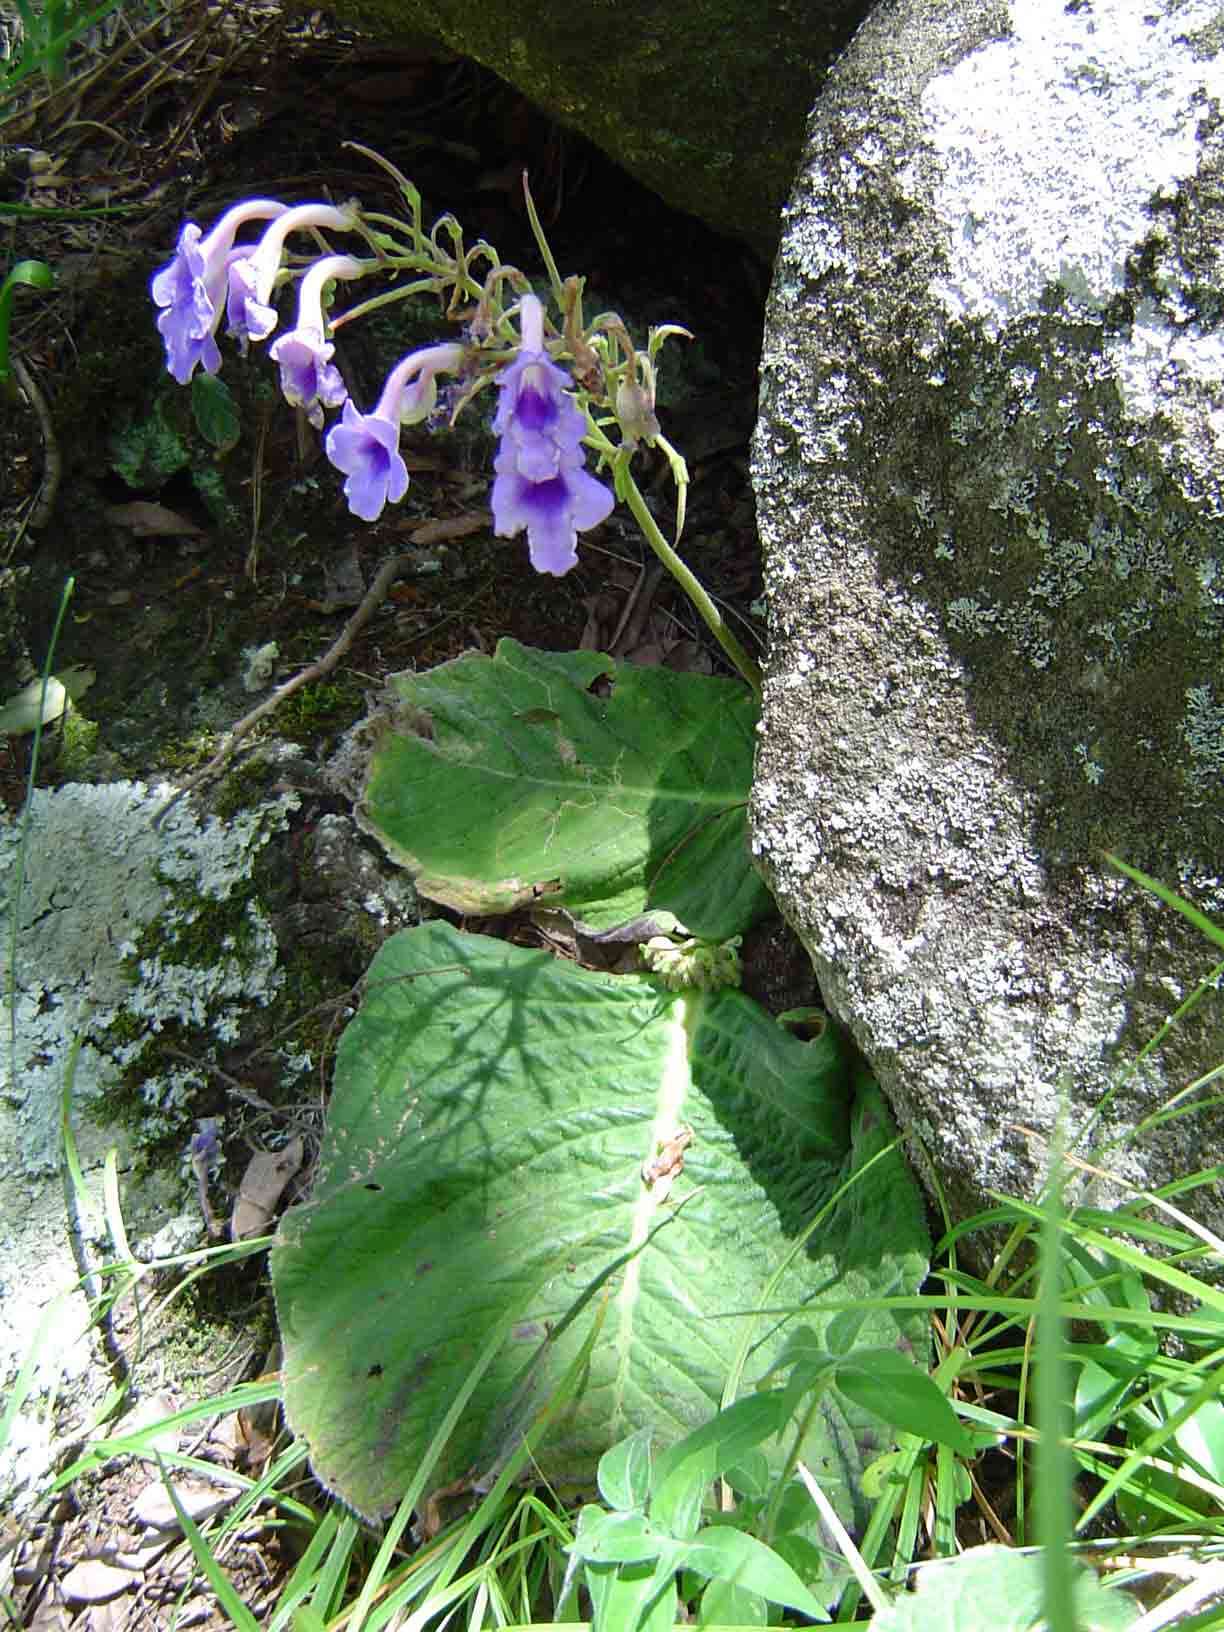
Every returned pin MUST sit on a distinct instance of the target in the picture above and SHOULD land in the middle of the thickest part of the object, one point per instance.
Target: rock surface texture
(989, 477)
(702, 100)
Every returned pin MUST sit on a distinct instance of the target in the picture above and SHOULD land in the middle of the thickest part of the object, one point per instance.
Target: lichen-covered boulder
(703, 100)
(122, 929)
(990, 486)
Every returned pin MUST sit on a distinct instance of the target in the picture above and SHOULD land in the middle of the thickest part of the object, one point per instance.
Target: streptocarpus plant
(548, 416)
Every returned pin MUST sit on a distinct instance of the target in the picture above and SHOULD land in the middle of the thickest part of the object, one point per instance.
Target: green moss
(245, 786)
(318, 709)
(123, 1103)
(201, 929)
(77, 744)
(189, 753)
(703, 100)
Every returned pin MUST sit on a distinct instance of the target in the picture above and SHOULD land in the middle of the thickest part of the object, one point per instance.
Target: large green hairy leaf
(507, 780)
(493, 1115)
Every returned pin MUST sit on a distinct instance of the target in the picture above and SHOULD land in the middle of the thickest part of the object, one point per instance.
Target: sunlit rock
(988, 470)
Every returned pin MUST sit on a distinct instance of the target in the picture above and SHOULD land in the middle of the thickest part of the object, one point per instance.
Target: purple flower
(541, 483)
(191, 288)
(249, 313)
(246, 316)
(366, 446)
(309, 378)
(554, 512)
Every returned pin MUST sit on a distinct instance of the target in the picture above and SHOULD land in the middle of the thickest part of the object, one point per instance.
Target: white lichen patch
(1053, 142)
(98, 881)
(1203, 730)
(108, 919)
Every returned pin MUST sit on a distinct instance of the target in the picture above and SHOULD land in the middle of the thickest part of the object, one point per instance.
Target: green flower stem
(714, 619)
(537, 232)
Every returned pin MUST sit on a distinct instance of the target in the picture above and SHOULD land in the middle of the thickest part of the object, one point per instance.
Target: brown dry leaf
(258, 1425)
(49, 1617)
(603, 613)
(150, 520)
(646, 655)
(263, 1184)
(448, 527)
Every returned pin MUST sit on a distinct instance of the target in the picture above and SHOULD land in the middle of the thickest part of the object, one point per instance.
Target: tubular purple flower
(554, 512)
(366, 446)
(190, 288)
(541, 483)
(309, 378)
(249, 313)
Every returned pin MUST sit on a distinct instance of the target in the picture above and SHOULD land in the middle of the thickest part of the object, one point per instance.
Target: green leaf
(507, 780)
(750, 1476)
(618, 1538)
(685, 1472)
(31, 274)
(628, 1596)
(632, 1596)
(724, 1604)
(214, 410)
(727, 1554)
(997, 1588)
(624, 1472)
(36, 704)
(883, 1381)
(481, 1171)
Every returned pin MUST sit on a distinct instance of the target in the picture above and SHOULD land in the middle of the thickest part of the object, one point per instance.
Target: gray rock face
(989, 479)
(703, 100)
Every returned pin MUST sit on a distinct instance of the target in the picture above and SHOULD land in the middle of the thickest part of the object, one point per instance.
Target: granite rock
(988, 471)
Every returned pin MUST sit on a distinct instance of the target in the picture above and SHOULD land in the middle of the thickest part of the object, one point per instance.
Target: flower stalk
(689, 583)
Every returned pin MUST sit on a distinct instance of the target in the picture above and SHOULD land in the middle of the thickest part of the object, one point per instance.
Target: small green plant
(708, 1519)
(30, 275)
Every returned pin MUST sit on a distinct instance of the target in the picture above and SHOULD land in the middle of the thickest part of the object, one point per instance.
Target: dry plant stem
(1210, 1584)
(374, 597)
(872, 1590)
(714, 619)
(44, 503)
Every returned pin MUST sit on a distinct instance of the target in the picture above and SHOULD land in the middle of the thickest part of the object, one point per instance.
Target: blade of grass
(872, 1590)
(1053, 1459)
(227, 1597)
(357, 1616)
(1209, 1389)
(1171, 899)
(319, 1575)
(445, 1588)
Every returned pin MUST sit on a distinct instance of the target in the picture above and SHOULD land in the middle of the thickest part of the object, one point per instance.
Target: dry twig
(44, 502)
